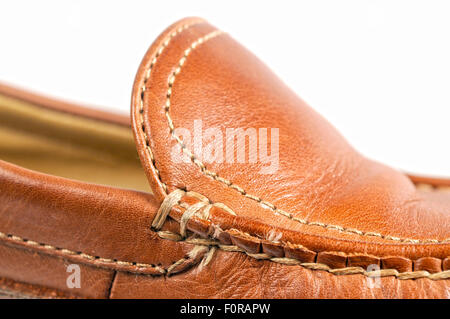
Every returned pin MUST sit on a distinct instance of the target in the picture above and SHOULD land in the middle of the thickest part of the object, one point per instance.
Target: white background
(378, 70)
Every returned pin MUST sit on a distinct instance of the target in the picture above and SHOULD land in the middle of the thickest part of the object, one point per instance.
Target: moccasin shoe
(224, 184)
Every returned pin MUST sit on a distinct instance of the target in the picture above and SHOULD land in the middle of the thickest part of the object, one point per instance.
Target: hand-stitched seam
(213, 235)
(211, 244)
(142, 93)
(312, 266)
(200, 209)
(237, 188)
(125, 266)
(229, 248)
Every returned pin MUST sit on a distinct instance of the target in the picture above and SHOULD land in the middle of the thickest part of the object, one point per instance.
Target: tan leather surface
(94, 282)
(308, 231)
(83, 218)
(233, 275)
(321, 179)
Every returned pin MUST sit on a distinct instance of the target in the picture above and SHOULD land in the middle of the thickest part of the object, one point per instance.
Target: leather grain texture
(324, 194)
(314, 228)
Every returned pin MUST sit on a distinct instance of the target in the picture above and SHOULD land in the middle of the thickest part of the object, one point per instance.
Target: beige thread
(208, 257)
(213, 244)
(192, 255)
(229, 184)
(188, 213)
(194, 209)
(177, 237)
(200, 209)
(287, 261)
(165, 208)
(315, 266)
(93, 259)
(143, 89)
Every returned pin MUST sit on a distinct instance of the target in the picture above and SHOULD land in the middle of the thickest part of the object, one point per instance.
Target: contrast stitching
(140, 268)
(312, 266)
(175, 197)
(68, 252)
(212, 245)
(142, 94)
(200, 209)
(165, 207)
(239, 189)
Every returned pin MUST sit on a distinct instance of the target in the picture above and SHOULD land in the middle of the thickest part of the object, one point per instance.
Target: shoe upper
(251, 194)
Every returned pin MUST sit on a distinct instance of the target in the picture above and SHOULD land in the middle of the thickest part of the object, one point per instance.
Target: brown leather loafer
(253, 194)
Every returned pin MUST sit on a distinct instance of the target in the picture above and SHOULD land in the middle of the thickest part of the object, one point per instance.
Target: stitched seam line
(312, 266)
(237, 188)
(209, 236)
(212, 245)
(140, 267)
(174, 199)
(143, 88)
